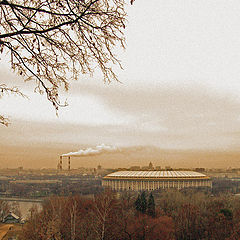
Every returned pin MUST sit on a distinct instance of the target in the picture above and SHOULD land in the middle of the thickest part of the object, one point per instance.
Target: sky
(179, 90)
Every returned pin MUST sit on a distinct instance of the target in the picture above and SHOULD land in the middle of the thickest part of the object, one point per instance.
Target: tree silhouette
(151, 206)
(138, 204)
(141, 203)
(53, 41)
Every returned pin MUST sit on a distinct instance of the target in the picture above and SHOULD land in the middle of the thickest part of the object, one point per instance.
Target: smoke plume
(92, 151)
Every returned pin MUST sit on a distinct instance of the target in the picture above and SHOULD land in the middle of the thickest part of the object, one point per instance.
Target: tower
(150, 166)
(60, 163)
(69, 164)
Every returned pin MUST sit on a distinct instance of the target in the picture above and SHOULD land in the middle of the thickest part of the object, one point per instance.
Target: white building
(153, 180)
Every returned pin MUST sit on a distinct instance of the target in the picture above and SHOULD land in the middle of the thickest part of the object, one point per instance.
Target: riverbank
(15, 199)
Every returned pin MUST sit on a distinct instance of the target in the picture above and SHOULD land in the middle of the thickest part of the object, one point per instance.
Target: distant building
(11, 218)
(135, 168)
(200, 169)
(150, 166)
(158, 168)
(153, 180)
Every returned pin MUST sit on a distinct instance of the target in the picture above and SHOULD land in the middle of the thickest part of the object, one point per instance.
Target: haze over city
(176, 103)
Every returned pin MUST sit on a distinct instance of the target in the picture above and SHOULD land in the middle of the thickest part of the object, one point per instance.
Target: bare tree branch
(23, 32)
(53, 42)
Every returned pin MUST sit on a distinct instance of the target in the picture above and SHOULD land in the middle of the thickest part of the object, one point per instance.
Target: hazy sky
(180, 86)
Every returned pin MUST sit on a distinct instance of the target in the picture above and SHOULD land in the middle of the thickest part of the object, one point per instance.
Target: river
(24, 205)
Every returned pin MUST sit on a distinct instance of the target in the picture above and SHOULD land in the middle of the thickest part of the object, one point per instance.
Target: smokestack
(69, 164)
(60, 164)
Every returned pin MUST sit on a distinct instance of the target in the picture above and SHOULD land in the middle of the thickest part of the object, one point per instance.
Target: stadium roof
(155, 174)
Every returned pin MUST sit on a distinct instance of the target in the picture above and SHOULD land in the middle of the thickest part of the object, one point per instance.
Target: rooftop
(155, 174)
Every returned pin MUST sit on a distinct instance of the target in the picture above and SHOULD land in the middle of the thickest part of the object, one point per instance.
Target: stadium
(154, 180)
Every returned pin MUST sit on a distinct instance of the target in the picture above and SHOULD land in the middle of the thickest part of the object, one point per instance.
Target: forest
(171, 214)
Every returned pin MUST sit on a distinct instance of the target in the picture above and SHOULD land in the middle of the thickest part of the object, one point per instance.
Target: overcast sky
(180, 85)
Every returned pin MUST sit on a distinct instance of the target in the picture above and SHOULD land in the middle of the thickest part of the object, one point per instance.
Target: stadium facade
(154, 180)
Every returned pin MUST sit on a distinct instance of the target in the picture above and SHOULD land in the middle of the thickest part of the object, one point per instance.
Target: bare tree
(104, 206)
(4, 209)
(73, 213)
(53, 41)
